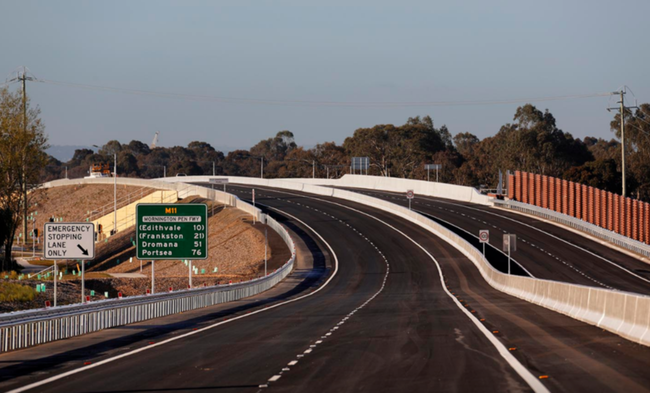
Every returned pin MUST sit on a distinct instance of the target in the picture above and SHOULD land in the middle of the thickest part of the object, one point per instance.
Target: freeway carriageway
(545, 250)
(384, 320)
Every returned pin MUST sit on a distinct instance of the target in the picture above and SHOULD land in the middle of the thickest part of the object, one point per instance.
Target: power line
(255, 101)
(3, 85)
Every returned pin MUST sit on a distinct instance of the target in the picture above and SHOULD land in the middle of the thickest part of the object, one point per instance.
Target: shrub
(10, 292)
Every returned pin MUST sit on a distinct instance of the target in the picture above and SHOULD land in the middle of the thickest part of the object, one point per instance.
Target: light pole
(114, 193)
(261, 167)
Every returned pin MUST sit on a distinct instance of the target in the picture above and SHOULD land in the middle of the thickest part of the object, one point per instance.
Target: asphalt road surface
(545, 250)
(385, 322)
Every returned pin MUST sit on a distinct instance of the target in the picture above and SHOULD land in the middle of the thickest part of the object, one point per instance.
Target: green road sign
(171, 231)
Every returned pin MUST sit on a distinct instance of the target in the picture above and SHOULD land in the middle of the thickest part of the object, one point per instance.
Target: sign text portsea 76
(172, 231)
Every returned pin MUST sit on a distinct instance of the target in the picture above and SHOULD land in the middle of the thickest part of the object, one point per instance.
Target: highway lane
(568, 354)
(355, 334)
(22, 367)
(410, 337)
(577, 259)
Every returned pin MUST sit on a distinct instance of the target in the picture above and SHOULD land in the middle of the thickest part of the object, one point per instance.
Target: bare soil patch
(72, 203)
(235, 249)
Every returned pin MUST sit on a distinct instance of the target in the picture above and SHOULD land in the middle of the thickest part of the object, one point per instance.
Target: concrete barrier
(441, 190)
(625, 314)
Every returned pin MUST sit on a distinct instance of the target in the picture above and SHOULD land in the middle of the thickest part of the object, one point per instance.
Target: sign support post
(83, 281)
(410, 195)
(153, 279)
(509, 244)
(55, 274)
(189, 265)
(484, 237)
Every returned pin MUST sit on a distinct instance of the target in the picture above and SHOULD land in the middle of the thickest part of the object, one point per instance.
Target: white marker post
(484, 237)
(71, 240)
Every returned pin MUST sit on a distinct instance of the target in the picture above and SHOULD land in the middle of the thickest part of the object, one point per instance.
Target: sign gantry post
(484, 237)
(219, 181)
(69, 240)
(171, 232)
(432, 166)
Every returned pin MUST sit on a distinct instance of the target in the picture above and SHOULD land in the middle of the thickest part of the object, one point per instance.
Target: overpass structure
(409, 304)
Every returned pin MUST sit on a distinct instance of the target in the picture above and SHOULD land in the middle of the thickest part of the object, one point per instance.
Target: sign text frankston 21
(172, 231)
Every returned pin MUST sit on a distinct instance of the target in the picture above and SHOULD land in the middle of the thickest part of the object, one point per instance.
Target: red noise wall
(626, 216)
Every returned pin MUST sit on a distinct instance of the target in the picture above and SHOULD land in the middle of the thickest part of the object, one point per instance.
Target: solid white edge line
(471, 234)
(519, 368)
(559, 238)
(432, 199)
(109, 360)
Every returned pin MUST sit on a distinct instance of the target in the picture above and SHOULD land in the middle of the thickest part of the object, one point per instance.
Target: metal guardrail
(122, 201)
(32, 327)
(576, 223)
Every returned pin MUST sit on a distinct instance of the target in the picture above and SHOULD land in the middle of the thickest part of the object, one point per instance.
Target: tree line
(531, 142)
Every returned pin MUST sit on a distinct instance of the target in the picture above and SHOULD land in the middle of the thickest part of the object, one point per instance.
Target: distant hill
(64, 153)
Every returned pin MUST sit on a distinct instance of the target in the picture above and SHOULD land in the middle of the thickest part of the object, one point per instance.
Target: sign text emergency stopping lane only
(69, 240)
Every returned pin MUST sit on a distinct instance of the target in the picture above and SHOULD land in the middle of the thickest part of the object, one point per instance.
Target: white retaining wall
(441, 190)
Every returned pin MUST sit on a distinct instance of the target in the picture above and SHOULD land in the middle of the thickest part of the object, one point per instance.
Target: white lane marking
(513, 259)
(523, 240)
(109, 360)
(368, 300)
(519, 368)
(293, 363)
(558, 238)
(275, 378)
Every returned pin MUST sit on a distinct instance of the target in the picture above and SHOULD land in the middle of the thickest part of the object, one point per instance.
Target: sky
(306, 53)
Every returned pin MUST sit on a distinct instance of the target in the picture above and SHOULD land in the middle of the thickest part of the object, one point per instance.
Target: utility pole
(23, 78)
(114, 193)
(261, 167)
(313, 169)
(622, 109)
